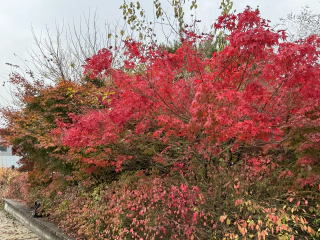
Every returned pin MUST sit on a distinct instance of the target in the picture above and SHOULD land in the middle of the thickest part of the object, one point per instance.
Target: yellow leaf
(223, 218)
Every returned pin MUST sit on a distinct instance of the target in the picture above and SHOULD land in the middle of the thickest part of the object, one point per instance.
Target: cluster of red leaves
(256, 92)
(98, 63)
(136, 210)
(170, 207)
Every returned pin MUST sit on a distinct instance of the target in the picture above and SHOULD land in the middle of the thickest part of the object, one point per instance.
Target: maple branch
(274, 93)
(242, 77)
(223, 69)
(165, 103)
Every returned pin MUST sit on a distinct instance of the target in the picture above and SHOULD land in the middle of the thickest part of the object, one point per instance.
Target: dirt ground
(13, 230)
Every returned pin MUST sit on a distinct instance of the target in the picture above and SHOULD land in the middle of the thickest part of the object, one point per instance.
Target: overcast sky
(18, 17)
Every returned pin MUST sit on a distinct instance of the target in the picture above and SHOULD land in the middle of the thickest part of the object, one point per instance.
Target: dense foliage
(176, 145)
(6, 175)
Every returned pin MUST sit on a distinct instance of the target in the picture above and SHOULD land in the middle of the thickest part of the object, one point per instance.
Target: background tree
(60, 56)
(302, 25)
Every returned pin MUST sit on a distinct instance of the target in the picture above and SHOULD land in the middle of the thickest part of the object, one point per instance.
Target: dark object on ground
(39, 212)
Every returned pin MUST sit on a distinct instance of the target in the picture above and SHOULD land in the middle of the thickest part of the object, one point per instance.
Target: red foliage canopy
(258, 91)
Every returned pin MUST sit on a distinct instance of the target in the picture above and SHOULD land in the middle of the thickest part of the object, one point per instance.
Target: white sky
(17, 17)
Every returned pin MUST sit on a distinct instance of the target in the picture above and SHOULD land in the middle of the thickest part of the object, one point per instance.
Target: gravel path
(13, 230)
